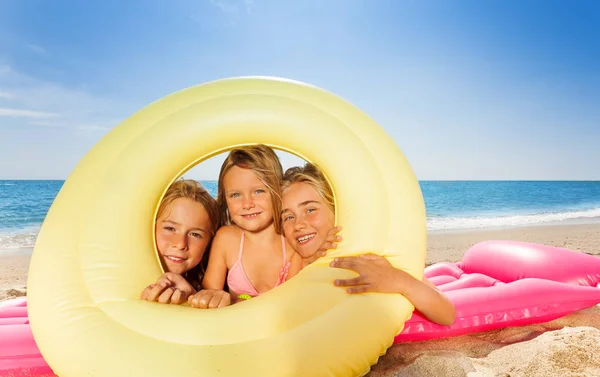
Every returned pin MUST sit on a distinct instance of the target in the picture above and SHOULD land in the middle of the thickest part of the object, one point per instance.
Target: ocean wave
(26, 237)
(19, 238)
(478, 222)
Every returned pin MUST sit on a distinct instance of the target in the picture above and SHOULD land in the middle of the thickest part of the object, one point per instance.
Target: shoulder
(228, 232)
(227, 236)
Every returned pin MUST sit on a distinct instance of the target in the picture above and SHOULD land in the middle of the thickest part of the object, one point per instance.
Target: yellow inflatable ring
(94, 254)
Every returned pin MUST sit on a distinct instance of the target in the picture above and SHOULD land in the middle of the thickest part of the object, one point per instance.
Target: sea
(451, 205)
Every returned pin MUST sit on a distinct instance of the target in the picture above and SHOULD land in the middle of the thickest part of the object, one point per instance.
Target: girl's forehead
(237, 176)
(301, 191)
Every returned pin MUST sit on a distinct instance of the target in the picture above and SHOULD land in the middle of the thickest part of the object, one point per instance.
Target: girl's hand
(210, 299)
(329, 243)
(376, 274)
(170, 288)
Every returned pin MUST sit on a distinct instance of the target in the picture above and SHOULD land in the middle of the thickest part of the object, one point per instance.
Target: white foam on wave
(478, 222)
(26, 237)
(18, 238)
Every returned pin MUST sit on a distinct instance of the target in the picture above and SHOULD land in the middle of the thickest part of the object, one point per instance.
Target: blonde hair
(266, 165)
(312, 175)
(190, 189)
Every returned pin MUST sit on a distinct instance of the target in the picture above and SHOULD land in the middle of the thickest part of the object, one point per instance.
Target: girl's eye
(309, 210)
(196, 234)
(259, 191)
(169, 228)
(234, 195)
(288, 217)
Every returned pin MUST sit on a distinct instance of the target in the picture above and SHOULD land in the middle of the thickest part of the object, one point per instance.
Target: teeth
(251, 216)
(175, 259)
(305, 238)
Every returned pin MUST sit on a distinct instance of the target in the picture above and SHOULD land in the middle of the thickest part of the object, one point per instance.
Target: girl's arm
(376, 274)
(216, 272)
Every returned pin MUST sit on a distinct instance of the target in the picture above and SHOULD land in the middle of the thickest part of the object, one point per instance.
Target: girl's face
(182, 234)
(306, 218)
(248, 199)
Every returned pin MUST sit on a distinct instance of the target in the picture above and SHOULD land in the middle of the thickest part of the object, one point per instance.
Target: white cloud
(48, 104)
(21, 113)
(37, 49)
(6, 95)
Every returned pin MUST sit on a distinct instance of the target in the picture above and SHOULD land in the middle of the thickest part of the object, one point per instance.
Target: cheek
(288, 228)
(230, 203)
(162, 239)
(321, 224)
(198, 248)
(266, 202)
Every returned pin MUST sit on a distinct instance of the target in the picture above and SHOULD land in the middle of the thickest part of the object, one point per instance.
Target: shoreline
(445, 246)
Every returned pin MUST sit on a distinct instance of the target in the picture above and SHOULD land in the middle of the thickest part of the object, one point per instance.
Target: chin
(306, 252)
(176, 269)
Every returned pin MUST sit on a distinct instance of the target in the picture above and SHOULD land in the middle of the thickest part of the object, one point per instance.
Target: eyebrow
(176, 223)
(237, 189)
(303, 204)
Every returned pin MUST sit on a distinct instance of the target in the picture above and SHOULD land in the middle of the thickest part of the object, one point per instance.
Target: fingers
(165, 297)
(179, 297)
(359, 280)
(198, 300)
(146, 291)
(348, 263)
(328, 245)
(226, 301)
(219, 300)
(358, 284)
(154, 291)
(164, 281)
(210, 299)
(331, 239)
(314, 257)
(360, 289)
(333, 231)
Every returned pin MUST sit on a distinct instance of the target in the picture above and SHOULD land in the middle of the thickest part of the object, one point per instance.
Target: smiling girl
(249, 252)
(187, 220)
(308, 220)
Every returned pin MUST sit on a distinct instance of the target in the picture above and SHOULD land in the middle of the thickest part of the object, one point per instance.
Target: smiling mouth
(304, 239)
(174, 259)
(251, 216)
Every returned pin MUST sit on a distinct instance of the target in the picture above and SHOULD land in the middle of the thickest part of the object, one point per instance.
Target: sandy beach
(565, 347)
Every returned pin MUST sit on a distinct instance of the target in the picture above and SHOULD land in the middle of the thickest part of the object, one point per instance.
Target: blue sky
(468, 89)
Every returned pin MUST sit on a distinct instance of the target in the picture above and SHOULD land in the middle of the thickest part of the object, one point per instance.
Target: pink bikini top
(238, 281)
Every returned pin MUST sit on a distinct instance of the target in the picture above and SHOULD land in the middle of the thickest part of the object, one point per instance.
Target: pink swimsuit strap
(238, 281)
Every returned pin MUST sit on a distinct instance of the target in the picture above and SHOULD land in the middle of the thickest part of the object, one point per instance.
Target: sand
(566, 347)
(13, 272)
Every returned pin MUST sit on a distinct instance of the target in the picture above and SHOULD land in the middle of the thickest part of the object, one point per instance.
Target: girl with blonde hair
(249, 252)
(308, 220)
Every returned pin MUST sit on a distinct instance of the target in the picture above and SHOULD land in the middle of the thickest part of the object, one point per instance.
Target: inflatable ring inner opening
(199, 160)
(99, 231)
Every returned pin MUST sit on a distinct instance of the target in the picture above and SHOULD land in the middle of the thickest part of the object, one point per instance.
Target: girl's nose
(300, 224)
(248, 203)
(180, 242)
